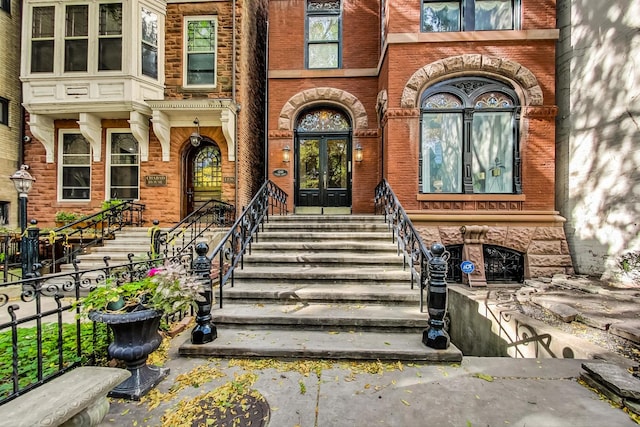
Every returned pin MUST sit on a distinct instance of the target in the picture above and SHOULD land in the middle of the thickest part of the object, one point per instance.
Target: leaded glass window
(207, 171)
(323, 33)
(490, 110)
(323, 120)
(200, 39)
(470, 15)
(75, 167)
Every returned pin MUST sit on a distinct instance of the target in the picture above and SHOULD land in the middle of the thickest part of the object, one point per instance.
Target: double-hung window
(75, 167)
(201, 43)
(469, 138)
(323, 34)
(124, 166)
(4, 111)
(42, 39)
(470, 15)
(110, 37)
(76, 41)
(149, 43)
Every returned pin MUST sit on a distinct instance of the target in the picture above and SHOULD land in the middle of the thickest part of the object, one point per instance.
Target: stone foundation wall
(544, 247)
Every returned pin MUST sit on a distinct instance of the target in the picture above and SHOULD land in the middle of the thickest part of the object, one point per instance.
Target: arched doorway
(323, 160)
(203, 175)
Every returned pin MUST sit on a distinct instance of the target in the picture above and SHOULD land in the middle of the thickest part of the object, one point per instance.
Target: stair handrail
(427, 265)
(183, 236)
(228, 254)
(88, 231)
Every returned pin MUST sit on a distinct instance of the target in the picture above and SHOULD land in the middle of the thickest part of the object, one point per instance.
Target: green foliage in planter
(92, 346)
(107, 204)
(66, 216)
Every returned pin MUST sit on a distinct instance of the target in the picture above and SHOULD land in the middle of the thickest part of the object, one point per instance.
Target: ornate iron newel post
(435, 336)
(204, 330)
(30, 250)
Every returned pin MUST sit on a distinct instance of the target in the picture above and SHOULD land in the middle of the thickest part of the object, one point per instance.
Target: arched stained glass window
(323, 120)
(207, 171)
(490, 110)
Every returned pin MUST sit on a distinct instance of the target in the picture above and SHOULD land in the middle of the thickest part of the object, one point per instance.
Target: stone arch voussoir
(437, 70)
(325, 95)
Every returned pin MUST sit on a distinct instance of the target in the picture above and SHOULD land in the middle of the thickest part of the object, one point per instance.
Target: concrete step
(327, 226)
(352, 293)
(338, 274)
(311, 259)
(321, 316)
(287, 246)
(302, 343)
(323, 236)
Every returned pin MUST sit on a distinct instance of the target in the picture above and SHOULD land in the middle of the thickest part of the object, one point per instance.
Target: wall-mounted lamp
(195, 137)
(358, 154)
(285, 154)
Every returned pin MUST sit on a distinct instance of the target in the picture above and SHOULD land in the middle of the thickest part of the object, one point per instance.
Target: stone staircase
(322, 287)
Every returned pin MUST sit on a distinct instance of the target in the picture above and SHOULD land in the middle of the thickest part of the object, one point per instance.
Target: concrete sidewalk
(477, 392)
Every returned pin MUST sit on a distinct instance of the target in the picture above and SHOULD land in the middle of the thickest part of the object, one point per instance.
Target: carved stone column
(474, 236)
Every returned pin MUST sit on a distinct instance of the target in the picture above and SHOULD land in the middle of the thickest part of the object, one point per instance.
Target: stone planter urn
(135, 336)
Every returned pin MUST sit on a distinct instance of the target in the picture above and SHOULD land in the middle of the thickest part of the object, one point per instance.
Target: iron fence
(42, 334)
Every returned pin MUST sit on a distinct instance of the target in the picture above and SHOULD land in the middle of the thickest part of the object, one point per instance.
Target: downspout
(233, 97)
(266, 106)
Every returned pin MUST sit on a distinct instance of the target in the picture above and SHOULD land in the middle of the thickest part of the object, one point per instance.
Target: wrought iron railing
(228, 254)
(10, 260)
(428, 266)
(183, 236)
(41, 333)
(61, 245)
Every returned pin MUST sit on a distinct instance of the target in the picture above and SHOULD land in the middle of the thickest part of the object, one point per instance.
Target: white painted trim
(60, 175)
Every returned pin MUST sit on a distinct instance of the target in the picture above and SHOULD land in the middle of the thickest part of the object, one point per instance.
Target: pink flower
(153, 272)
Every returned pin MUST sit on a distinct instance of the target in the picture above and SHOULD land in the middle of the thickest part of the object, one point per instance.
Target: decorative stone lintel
(541, 111)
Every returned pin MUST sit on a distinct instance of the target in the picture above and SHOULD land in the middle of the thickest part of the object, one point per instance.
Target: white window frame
(59, 38)
(185, 23)
(107, 181)
(157, 46)
(61, 134)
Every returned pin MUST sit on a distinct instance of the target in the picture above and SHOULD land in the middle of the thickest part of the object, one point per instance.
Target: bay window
(469, 138)
(76, 42)
(75, 167)
(149, 43)
(42, 39)
(110, 37)
(124, 166)
(470, 15)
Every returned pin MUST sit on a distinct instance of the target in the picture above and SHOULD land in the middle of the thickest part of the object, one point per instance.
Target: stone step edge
(320, 345)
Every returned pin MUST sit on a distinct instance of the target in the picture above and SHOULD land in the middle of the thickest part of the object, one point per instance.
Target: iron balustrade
(61, 245)
(183, 236)
(228, 254)
(10, 256)
(427, 266)
(47, 304)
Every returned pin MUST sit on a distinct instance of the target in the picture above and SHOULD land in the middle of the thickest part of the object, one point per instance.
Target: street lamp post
(23, 182)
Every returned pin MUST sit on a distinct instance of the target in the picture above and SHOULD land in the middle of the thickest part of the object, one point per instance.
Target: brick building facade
(453, 103)
(10, 110)
(113, 99)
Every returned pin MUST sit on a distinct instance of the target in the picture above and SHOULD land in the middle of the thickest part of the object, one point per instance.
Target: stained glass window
(323, 120)
(490, 109)
(207, 171)
(323, 34)
(201, 52)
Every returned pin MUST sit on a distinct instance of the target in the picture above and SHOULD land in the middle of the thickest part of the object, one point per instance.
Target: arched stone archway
(325, 95)
(477, 63)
